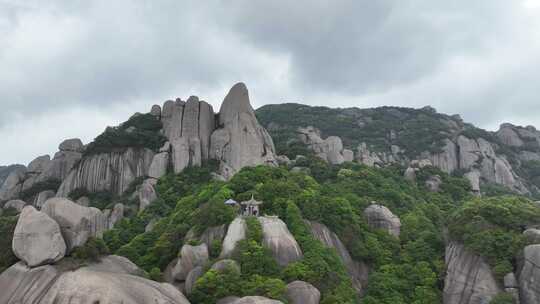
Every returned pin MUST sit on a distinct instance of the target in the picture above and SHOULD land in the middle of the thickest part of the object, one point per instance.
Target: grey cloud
(476, 58)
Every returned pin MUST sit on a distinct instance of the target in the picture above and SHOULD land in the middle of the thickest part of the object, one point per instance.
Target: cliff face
(509, 157)
(194, 134)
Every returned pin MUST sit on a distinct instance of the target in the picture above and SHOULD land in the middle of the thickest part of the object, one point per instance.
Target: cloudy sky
(70, 68)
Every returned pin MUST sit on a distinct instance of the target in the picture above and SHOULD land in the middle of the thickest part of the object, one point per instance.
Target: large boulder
(299, 292)
(529, 277)
(51, 284)
(72, 144)
(241, 141)
(192, 277)
(469, 279)
(279, 240)
(235, 233)
(532, 235)
(329, 149)
(357, 271)
(17, 204)
(380, 217)
(77, 223)
(37, 239)
(256, 300)
(190, 257)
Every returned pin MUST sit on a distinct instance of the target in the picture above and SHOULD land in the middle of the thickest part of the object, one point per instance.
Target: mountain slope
(509, 157)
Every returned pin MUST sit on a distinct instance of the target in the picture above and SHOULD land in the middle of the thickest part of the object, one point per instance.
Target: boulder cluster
(42, 239)
(329, 149)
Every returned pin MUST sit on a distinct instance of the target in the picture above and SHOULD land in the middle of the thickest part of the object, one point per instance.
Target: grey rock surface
(147, 194)
(51, 284)
(469, 279)
(192, 278)
(529, 277)
(241, 141)
(77, 223)
(299, 292)
(15, 204)
(279, 240)
(256, 300)
(236, 232)
(380, 217)
(159, 165)
(190, 257)
(37, 239)
(113, 171)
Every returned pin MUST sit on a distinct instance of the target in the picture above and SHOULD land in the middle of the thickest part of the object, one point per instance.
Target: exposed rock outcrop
(529, 277)
(190, 257)
(469, 279)
(357, 270)
(240, 141)
(299, 292)
(532, 235)
(380, 217)
(13, 184)
(146, 192)
(77, 223)
(17, 204)
(191, 278)
(329, 149)
(159, 165)
(236, 232)
(113, 171)
(279, 240)
(42, 197)
(37, 239)
(256, 300)
(50, 284)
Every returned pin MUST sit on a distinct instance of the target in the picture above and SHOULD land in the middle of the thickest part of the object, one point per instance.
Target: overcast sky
(70, 68)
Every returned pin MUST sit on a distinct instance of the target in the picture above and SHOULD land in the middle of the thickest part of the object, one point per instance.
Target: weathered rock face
(299, 292)
(380, 217)
(228, 300)
(159, 165)
(15, 204)
(191, 278)
(188, 126)
(474, 179)
(115, 215)
(72, 144)
(256, 300)
(37, 239)
(208, 236)
(410, 175)
(469, 279)
(190, 257)
(113, 171)
(147, 193)
(447, 160)
(42, 197)
(532, 235)
(49, 285)
(530, 275)
(280, 241)
(116, 264)
(77, 223)
(329, 149)
(357, 271)
(13, 184)
(241, 141)
(236, 232)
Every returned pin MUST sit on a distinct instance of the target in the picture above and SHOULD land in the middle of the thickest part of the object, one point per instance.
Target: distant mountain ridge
(509, 157)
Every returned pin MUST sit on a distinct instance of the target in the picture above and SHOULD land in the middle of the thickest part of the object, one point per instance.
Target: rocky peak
(236, 102)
